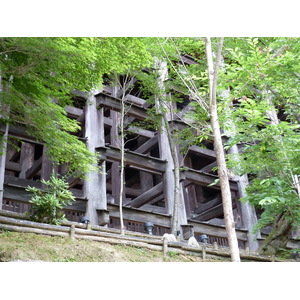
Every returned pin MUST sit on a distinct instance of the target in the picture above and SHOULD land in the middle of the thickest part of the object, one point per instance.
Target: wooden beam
(142, 132)
(128, 191)
(113, 103)
(146, 196)
(216, 230)
(13, 166)
(73, 112)
(213, 212)
(131, 158)
(147, 146)
(205, 179)
(34, 169)
(24, 183)
(209, 167)
(211, 203)
(135, 100)
(140, 215)
(153, 208)
(202, 151)
(26, 158)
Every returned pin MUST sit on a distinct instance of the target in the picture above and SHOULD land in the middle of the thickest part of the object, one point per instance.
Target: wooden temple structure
(149, 181)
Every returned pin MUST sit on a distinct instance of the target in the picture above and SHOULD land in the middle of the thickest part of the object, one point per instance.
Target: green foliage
(262, 76)
(49, 202)
(37, 71)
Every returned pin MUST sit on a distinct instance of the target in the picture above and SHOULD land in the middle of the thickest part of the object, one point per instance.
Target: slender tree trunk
(4, 112)
(122, 227)
(220, 155)
(161, 107)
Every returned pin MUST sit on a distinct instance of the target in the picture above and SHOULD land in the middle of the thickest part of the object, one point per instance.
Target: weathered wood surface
(113, 103)
(147, 146)
(209, 204)
(206, 179)
(13, 166)
(215, 230)
(132, 158)
(33, 230)
(140, 131)
(26, 223)
(202, 151)
(140, 215)
(26, 158)
(21, 184)
(146, 196)
(36, 167)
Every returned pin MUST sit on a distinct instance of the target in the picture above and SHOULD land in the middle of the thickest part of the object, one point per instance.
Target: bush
(49, 202)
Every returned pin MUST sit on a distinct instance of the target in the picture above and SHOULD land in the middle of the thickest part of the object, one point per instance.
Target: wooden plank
(135, 100)
(34, 169)
(153, 208)
(16, 194)
(211, 203)
(141, 131)
(214, 212)
(147, 146)
(73, 112)
(131, 158)
(215, 230)
(26, 158)
(46, 169)
(202, 151)
(205, 179)
(128, 191)
(209, 167)
(146, 196)
(113, 103)
(12, 166)
(24, 183)
(140, 215)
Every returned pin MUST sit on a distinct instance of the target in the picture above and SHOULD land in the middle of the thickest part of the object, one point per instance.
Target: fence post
(203, 252)
(72, 232)
(165, 246)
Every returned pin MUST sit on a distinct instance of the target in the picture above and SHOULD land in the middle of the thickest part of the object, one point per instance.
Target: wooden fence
(13, 221)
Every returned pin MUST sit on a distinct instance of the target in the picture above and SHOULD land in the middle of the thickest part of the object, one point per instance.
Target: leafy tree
(49, 202)
(37, 71)
(262, 74)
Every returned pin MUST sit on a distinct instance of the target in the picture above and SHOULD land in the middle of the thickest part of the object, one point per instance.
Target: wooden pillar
(3, 146)
(46, 169)
(165, 152)
(26, 158)
(95, 185)
(249, 218)
(115, 167)
(146, 179)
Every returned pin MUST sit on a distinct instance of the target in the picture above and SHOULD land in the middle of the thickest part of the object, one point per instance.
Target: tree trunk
(164, 108)
(220, 156)
(278, 237)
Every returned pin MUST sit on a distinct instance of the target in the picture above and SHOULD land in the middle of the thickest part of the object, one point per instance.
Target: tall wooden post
(174, 199)
(27, 158)
(95, 185)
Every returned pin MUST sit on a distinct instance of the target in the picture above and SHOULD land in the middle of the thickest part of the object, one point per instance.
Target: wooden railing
(12, 221)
